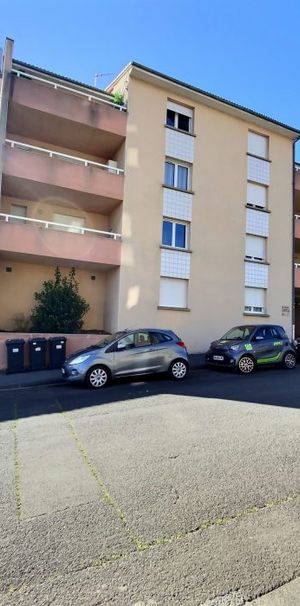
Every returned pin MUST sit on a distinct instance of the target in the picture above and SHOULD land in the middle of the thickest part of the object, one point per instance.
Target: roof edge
(213, 97)
(16, 63)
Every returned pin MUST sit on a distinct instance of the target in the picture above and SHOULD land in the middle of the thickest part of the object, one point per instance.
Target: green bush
(59, 307)
(118, 97)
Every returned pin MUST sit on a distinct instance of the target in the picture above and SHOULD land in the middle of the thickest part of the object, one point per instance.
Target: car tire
(289, 360)
(178, 370)
(97, 377)
(246, 365)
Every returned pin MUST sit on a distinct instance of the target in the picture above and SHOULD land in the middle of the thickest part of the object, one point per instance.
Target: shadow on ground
(276, 387)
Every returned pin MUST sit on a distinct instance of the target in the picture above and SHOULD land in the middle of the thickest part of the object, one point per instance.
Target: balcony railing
(61, 226)
(54, 154)
(56, 86)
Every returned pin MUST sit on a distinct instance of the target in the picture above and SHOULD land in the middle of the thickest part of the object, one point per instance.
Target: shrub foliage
(59, 307)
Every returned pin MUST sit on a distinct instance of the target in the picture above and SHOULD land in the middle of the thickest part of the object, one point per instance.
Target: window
(179, 117)
(19, 211)
(238, 333)
(176, 175)
(255, 248)
(174, 234)
(137, 339)
(255, 300)
(173, 292)
(258, 145)
(73, 224)
(159, 337)
(257, 195)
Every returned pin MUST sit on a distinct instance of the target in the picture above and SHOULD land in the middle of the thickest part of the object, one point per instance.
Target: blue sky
(247, 52)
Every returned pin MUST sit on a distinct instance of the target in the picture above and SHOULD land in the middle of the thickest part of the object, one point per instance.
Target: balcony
(36, 173)
(297, 275)
(37, 241)
(60, 114)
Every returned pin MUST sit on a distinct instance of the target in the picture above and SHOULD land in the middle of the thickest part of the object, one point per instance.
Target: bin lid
(58, 338)
(37, 340)
(14, 341)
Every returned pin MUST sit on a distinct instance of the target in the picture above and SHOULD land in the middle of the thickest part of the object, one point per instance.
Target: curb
(53, 377)
(286, 595)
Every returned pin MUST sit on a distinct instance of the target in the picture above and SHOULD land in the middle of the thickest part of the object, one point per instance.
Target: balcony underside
(33, 124)
(28, 175)
(33, 244)
(62, 118)
(24, 189)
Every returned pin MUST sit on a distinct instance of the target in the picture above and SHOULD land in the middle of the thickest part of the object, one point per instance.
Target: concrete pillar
(4, 98)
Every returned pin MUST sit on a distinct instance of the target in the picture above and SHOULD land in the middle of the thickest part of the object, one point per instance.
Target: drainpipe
(294, 244)
(4, 98)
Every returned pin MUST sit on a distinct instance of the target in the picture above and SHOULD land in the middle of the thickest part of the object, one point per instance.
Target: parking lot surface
(150, 492)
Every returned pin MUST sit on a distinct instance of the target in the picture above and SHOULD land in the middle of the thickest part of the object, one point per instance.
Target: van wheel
(246, 365)
(178, 369)
(289, 360)
(97, 377)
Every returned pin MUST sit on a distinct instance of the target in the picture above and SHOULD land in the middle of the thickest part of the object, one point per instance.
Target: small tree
(59, 308)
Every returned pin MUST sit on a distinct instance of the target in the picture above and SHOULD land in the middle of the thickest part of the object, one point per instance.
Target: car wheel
(246, 365)
(178, 369)
(97, 377)
(289, 360)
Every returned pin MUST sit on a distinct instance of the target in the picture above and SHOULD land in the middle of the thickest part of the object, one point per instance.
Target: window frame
(267, 138)
(176, 165)
(174, 223)
(255, 204)
(253, 258)
(170, 305)
(256, 310)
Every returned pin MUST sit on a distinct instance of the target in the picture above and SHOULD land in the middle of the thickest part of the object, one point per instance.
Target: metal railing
(54, 154)
(73, 229)
(56, 86)
(297, 265)
(297, 216)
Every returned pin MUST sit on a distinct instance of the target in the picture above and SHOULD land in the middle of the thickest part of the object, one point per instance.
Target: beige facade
(218, 177)
(218, 224)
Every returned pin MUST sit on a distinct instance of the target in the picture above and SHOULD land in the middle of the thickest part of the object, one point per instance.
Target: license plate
(218, 358)
(63, 372)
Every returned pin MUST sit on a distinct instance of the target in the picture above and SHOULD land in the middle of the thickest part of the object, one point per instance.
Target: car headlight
(234, 347)
(80, 359)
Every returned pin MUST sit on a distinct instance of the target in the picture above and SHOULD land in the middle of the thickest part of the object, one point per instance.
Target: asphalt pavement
(150, 492)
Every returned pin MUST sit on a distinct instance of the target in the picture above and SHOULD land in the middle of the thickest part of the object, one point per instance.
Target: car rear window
(159, 337)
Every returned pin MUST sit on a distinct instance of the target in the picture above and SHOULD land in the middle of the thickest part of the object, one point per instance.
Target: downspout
(4, 99)
(294, 244)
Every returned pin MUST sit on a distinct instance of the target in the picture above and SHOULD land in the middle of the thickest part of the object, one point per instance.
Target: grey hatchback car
(128, 353)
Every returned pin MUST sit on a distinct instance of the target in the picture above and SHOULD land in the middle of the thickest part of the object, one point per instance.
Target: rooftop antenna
(99, 75)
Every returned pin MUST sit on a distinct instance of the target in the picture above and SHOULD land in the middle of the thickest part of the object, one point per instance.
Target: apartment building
(176, 210)
(208, 202)
(297, 250)
(62, 169)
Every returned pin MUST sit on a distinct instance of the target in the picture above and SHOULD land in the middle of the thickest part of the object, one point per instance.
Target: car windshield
(110, 339)
(239, 333)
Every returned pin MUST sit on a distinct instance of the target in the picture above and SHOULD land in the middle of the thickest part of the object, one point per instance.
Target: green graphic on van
(248, 347)
(278, 343)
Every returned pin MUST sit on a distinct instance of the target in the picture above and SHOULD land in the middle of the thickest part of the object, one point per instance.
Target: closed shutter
(173, 292)
(70, 223)
(255, 300)
(257, 195)
(258, 145)
(255, 248)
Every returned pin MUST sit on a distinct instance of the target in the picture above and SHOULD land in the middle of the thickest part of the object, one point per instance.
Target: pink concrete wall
(297, 228)
(60, 246)
(74, 342)
(297, 277)
(68, 105)
(39, 168)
